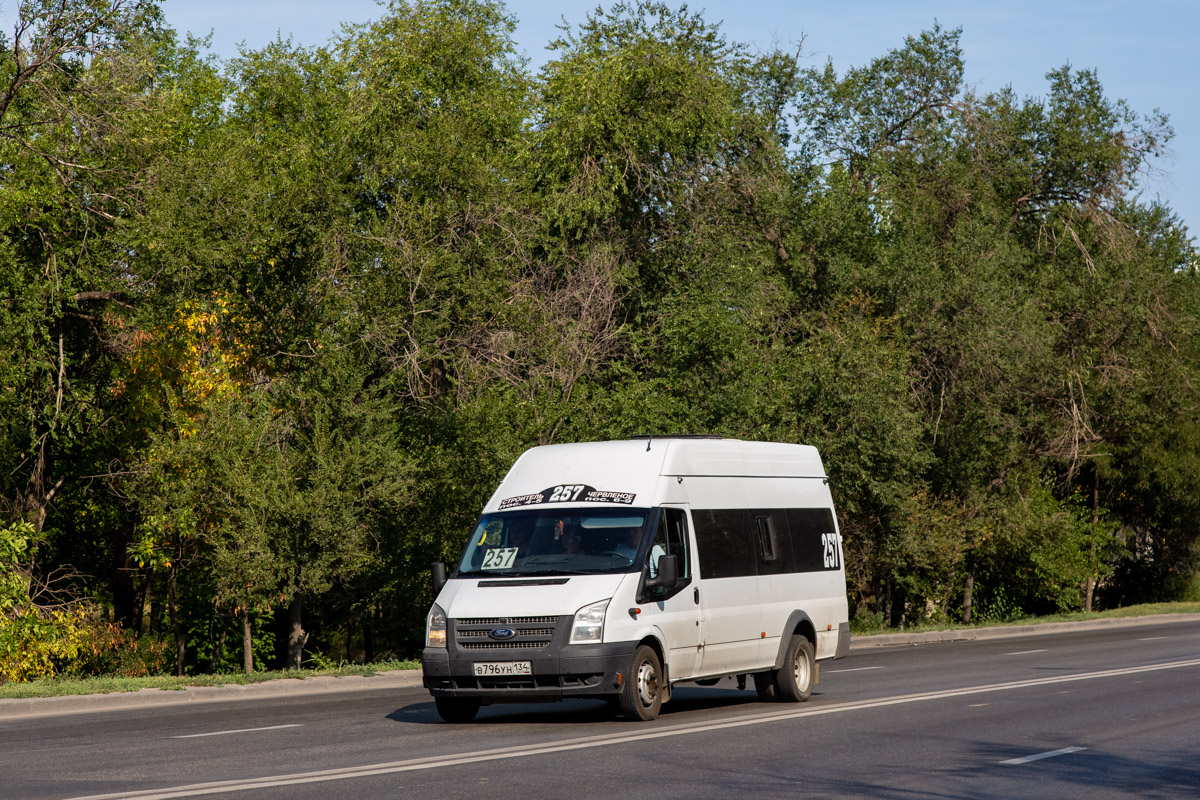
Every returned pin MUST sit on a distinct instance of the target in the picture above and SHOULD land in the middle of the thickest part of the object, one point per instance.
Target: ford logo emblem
(502, 633)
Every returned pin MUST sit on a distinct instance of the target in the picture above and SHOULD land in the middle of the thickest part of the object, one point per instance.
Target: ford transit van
(620, 569)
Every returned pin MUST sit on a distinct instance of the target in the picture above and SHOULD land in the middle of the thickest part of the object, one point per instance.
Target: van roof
(734, 457)
(683, 455)
(632, 468)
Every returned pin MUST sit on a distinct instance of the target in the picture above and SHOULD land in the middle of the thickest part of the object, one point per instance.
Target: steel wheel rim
(801, 671)
(647, 683)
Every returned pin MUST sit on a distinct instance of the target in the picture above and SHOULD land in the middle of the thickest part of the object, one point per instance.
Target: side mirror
(668, 574)
(437, 577)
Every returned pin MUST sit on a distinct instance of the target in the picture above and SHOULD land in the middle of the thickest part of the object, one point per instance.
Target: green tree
(68, 107)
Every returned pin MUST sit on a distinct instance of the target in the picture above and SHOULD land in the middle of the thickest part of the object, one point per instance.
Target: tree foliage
(274, 327)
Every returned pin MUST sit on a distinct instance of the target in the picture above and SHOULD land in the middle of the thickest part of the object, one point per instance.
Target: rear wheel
(794, 680)
(764, 684)
(457, 709)
(642, 691)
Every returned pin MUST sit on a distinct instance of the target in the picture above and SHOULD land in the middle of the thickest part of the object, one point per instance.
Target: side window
(771, 539)
(814, 543)
(766, 539)
(671, 539)
(726, 542)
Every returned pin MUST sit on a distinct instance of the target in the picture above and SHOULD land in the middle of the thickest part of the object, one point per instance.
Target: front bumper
(560, 670)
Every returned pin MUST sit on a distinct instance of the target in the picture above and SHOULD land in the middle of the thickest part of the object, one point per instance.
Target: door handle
(696, 595)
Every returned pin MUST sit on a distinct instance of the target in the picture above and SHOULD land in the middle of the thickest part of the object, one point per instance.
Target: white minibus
(620, 569)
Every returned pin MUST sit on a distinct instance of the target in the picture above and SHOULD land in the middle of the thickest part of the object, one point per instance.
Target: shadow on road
(685, 700)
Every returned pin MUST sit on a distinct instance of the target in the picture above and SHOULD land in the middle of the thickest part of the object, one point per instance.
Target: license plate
(485, 669)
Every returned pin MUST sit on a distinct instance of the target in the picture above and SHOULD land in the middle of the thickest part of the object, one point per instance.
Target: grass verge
(62, 686)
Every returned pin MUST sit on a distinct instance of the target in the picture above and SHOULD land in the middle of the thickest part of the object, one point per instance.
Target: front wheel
(457, 709)
(794, 680)
(642, 691)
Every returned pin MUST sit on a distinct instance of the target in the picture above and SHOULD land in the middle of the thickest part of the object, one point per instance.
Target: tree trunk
(219, 647)
(1090, 588)
(247, 642)
(176, 627)
(39, 492)
(123, 589)
(968, 597)
(154, 623)
(143, 618)
(297, 637)
(887, 604)
(368, 637)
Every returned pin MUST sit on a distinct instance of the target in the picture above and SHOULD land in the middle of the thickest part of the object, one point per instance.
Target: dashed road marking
(1039, 756)
(239, 730)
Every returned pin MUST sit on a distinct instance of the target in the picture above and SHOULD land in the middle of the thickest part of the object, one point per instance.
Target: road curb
(858, 643)
(25, 708)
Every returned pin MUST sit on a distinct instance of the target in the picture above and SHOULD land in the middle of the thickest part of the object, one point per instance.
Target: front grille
(483, 634)
(501, 645)
(530, 633)
(508, 621)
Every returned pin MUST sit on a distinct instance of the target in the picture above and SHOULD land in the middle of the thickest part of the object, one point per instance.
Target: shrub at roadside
(70, 637)
(36, 643)
(109, 649)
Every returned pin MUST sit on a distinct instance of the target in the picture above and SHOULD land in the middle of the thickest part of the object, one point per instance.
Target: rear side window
(812, 535)
(733, 543)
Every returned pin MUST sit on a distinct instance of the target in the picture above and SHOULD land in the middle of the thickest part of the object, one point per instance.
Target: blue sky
(1147, 52)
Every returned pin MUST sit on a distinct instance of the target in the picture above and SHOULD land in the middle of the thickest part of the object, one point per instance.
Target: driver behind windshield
(628, 542)
(520, 534)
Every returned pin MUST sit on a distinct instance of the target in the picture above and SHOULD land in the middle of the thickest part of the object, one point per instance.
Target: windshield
(552, 541)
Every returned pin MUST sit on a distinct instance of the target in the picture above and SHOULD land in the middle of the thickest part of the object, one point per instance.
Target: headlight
(589, 623)
(435, 627)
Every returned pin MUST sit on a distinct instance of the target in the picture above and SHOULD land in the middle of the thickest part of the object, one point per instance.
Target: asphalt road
(1096, 714)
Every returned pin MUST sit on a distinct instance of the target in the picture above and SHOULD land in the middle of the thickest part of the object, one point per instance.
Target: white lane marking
(239, 730)
(1040, 756)
(855, 669)
(521, 751)
(1025, 653)
(1153, 638)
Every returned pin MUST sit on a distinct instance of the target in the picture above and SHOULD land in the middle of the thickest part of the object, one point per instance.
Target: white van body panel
(721, 622)
(821, 594)
(734, 458)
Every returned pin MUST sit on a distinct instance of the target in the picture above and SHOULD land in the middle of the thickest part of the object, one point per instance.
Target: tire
(457, 709)
(642, 691)
(794, 680)
(764, 684)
